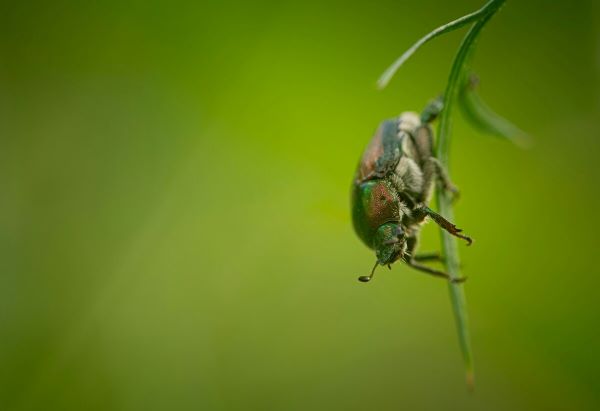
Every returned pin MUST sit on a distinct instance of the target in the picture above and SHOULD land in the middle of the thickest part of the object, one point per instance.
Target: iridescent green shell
(374, 203)
(374, 199)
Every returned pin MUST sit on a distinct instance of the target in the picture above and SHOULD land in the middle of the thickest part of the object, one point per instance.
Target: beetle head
(389, 243)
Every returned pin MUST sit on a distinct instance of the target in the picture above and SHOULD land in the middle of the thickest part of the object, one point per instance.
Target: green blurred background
(174, 223)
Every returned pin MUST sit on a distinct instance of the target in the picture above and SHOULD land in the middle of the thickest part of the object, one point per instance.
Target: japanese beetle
(392, 189)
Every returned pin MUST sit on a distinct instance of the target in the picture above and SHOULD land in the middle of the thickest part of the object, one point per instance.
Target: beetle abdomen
(372, 157)
(385, 149)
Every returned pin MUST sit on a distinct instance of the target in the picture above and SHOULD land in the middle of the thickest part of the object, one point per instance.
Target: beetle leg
(413, 260)
(411, 248)
(411, 245)
(423, 139)
(442, 222)
(432, 110)
(432, 271)
(444, 179)
(434, 256)
(433, 170)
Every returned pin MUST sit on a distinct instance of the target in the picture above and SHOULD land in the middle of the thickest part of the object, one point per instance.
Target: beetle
(392, 188)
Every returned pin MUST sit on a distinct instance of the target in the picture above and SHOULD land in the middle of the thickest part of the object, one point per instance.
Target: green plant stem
(453, 25)
(444, 202)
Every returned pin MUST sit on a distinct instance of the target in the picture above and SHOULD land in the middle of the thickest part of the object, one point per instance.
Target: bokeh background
(174, 222)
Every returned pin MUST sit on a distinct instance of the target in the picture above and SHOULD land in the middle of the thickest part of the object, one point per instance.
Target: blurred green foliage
(174, 223)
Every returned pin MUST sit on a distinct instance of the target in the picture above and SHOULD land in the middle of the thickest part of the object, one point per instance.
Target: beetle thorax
(375, 203)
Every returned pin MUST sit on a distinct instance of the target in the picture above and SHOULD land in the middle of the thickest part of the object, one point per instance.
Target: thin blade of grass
(479, 19)
(482, 117)
(444, 202)
(446, 28)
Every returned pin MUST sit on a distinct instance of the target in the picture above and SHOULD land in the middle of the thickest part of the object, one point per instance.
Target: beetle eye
(399, 231)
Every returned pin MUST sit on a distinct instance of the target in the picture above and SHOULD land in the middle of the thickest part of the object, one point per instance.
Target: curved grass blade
(482, 117)
(444, 202)
(446, 28)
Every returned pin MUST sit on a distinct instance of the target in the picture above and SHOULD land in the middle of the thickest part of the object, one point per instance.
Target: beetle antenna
(367, 278)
